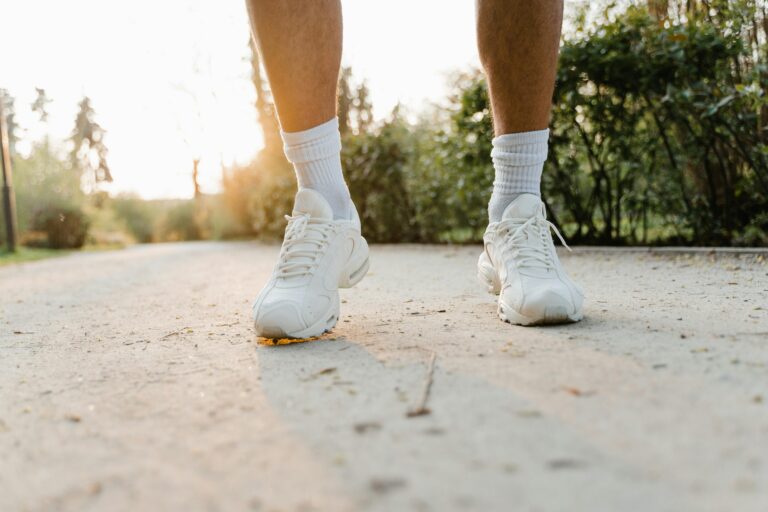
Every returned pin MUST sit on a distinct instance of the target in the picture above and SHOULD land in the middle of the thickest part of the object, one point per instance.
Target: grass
(26, 254)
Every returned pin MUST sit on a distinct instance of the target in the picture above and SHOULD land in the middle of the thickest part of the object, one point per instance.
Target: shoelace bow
(515, 234)
(299, 261)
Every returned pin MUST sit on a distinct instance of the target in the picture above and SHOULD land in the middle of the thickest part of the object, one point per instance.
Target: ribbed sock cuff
(321, 141)
(316, 158)
(518, 160)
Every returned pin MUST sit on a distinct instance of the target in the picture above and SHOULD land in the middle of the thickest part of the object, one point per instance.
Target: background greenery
(659, 136)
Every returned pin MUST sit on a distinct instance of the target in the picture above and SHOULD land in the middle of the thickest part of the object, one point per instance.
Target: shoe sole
(329, 320)
(552, 316)
(326, 323)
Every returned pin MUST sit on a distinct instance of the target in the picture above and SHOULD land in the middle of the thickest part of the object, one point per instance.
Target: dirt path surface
(131, 380)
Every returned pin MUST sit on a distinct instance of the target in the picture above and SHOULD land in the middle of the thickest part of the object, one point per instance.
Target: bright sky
(170, 79)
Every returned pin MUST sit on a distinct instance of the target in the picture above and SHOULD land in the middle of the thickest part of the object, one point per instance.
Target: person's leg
(300, 45)
(518, 41)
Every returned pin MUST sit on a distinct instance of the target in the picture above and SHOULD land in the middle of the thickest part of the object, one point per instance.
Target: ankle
(518, 161)
(498, 203)
(315, 155)
(338, 198)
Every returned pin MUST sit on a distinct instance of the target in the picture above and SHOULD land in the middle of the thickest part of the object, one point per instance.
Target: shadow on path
(481, 448)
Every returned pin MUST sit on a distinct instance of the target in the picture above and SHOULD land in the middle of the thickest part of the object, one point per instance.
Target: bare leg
(518, 41)
(300, 44)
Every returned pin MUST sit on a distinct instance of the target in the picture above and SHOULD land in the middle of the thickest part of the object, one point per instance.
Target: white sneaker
(520, 264)
(319, 255)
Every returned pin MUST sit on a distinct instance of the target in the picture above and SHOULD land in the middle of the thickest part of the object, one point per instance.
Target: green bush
(139, 217)
(44, 180)
(451, 176)
(66, 228)
(656, 135)
(375, 166)
(261, 194)
(181, 223)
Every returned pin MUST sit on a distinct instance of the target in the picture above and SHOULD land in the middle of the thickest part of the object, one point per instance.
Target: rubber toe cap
(277, 320)
(547, 303)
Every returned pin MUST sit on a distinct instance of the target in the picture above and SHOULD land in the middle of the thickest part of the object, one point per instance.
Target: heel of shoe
(357, 266)
(487, 275)
(348, 280)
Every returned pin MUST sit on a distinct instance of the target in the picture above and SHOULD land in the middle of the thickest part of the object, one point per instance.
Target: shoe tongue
(524, 206)
(312, 203)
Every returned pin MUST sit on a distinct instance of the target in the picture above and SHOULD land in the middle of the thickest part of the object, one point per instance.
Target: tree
(10, 118)
(363, 108)
(196, 177)
(89, 153)
(659, 9)
(355, 111)
(39, 106)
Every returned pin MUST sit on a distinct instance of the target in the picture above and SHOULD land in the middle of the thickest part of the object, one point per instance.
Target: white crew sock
(518, 159)
(315, 155)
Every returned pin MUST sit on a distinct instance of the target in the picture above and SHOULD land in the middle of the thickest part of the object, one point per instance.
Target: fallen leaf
(365, 427)
(384, 485)
(578, 392)
(565, 464)
(324, 371)
(273, 342)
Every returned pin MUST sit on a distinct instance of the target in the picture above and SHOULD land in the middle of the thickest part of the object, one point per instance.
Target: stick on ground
(421, 409)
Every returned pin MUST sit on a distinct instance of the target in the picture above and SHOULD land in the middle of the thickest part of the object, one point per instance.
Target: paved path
(130, 380)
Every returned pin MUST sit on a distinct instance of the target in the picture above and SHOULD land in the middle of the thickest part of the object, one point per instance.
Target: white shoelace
(516, 234)
(305, 240)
